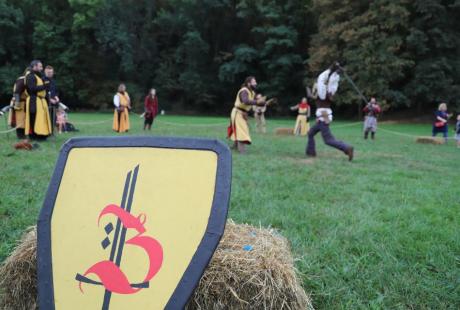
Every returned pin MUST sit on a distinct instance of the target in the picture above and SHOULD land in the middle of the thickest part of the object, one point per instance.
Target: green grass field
(380, 232)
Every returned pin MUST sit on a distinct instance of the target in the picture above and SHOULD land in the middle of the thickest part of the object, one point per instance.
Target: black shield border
(207, 246)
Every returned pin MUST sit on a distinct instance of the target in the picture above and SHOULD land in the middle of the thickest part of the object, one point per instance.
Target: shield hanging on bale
(131, 222)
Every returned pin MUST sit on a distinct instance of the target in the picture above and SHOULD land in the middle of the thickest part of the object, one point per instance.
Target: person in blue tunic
(440, 121)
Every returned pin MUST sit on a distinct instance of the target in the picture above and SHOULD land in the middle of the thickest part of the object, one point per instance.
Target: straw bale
(252, 268)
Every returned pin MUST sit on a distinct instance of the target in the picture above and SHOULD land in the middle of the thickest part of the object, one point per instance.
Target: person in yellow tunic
(122, 104)
(38, 123)
(17, 116)
(301, 125)
(238, 131)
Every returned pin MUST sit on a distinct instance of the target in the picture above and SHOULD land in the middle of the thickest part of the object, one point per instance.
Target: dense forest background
(196, 53)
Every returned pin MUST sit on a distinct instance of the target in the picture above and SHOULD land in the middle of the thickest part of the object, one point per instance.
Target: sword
(120, 232)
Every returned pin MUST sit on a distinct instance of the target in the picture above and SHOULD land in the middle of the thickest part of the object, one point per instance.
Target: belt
(242, 110)
(303, 113)
(37, 96)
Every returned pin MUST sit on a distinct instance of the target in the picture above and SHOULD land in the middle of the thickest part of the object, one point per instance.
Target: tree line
(197, 53)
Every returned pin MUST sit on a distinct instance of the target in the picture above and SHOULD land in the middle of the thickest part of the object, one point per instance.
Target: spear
(347, 77)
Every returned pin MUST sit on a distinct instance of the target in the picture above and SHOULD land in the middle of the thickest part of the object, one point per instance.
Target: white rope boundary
(226, 123)
(192, 125)
(408, 135)
(92, 123)
(8, 131)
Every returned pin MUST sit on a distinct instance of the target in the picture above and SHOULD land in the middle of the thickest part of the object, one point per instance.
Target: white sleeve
(333, 84)
(116, 101)
(321, 84)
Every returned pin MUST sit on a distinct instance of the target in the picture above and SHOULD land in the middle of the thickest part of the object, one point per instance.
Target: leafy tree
(434, 45)
(369, 38)
(196, 53)
(11, 42)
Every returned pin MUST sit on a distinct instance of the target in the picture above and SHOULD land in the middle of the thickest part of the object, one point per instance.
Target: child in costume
(61, 119)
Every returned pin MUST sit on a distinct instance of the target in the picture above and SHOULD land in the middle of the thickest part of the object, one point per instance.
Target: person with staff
(328, 84)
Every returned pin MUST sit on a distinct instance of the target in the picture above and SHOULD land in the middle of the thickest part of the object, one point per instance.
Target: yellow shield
(131, 222)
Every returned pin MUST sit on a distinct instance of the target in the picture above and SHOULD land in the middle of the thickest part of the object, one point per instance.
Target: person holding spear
(327, 84)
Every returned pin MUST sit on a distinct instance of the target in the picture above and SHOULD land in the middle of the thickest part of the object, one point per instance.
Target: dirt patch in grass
(301, 161)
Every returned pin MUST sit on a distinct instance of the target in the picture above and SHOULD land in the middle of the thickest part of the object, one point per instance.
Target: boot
(366, 134)
(373, 135)
(241, 148)
(350, 153)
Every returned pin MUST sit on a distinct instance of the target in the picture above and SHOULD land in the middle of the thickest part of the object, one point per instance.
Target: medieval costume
(372, 111)
(440, 121)
(53, 101)
(328, 84)
(457, 131)
(238, 130)
(259, 115)
(38, 123)
(17, 116)
(122, 105)
(151, 110)
(301, 125)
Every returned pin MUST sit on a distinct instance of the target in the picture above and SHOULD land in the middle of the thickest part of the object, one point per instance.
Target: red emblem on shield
(109, 272)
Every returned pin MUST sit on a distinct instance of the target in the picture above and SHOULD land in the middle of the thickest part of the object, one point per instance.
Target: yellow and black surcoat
(17, 116)
(239, 117)
(37, 114)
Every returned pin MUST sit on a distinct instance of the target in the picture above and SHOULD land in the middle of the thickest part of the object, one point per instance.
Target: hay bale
(284, 131)
(252, 268)
(430, 140)
(18, 281)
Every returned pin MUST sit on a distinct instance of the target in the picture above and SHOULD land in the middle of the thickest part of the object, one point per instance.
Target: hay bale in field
(252, 268)
(284, 131)
(430, 140)
(18, 281)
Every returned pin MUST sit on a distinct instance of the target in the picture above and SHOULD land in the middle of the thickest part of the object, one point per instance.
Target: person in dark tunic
(151, 109)
(38, 124)
(53, 99)
(457, 131)
(327, 85)
(440, 121)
